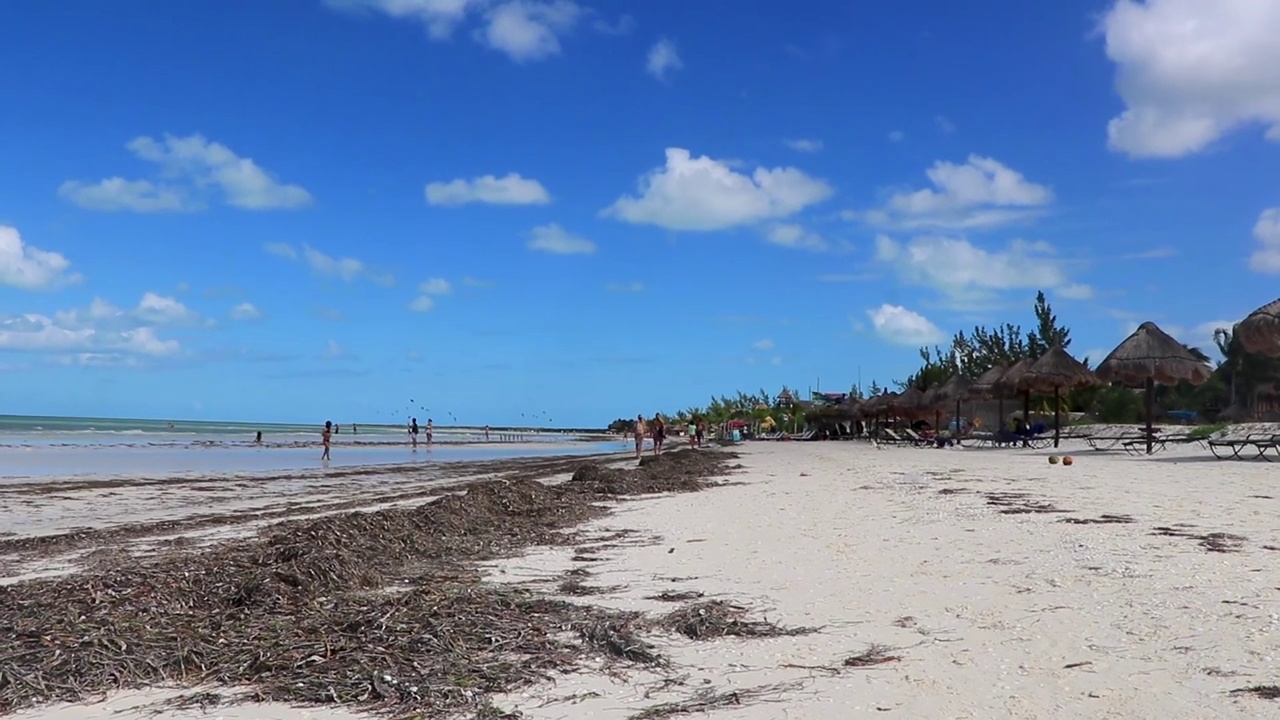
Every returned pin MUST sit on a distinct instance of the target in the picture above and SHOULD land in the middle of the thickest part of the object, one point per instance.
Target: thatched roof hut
(1056, 371)
(985, 385)
(909, 401)
(1011, 381)
(878, 403)
(954, 389)
(1152, 354)
(1259, 332)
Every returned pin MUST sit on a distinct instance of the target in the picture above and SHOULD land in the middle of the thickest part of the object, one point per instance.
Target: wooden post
(1057, 422)
(1151, 401)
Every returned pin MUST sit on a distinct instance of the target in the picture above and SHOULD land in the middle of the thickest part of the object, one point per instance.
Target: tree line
(1236, 379)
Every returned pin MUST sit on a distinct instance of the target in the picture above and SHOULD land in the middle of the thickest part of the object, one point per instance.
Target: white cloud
(804, 145)
(509, 190)
(964, 271)
(1075, 291)
(775, 360)
(333, 350)
(558, 241)
(794, 236)
(435, 286)
(43, 334)
(115, 194)
(982, 192)
(945, 125)
(28, 267)
(348, 269)
(1266, 259)
(523, 30)
(245, 311)
(439, 16)
(663, 58)
(161, 309)
(426, 289)
(897, 136)
(902, 326)
(763, 344)
(702, 194)
(152, 309)
(631, 287)
(476, 282)
(189, 168)
(528, 30)
(1191, 71)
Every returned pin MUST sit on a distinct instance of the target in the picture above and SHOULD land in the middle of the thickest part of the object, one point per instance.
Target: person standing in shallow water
(639, 433)
(326, 437)
(431, 430)
(413, 432)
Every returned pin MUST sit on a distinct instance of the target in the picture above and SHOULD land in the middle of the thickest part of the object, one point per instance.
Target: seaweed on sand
(716, 619)
(382, 610)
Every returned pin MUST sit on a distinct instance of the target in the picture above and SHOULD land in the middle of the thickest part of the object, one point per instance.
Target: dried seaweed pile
(379, 609)
(716, 619)
(672, 472)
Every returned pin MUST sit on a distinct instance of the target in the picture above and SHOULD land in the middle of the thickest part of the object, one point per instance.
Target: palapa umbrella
(954, 390)
(910, 402)
(1010, 383)
(1059, 371)
(1259, 332)
(934, 400)
(984, 388)
(1150, 356)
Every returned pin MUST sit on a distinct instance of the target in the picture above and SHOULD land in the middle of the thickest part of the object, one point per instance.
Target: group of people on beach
(656, 429)
(331, 429)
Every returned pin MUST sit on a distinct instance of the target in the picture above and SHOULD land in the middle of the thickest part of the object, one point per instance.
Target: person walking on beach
(431, 430)
(692, 432)
(413, 432)
(639, 433)
(702, 431)
(659, 434)
(326, 437)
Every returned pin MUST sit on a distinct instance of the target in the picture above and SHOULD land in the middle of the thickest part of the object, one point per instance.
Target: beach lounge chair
(889, 436)
(1240, 448)
(915, 438)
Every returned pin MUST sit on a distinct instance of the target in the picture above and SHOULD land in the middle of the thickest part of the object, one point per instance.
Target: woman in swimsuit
(325, 437)
(659, 434)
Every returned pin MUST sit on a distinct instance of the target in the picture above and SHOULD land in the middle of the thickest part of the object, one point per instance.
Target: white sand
(857, 539)
(986, 609)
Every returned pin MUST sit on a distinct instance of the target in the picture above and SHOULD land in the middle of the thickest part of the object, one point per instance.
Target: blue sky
(515, 209)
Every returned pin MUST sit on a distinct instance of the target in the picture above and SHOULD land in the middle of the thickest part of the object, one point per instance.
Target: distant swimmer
(257, 439)
(354, 429)
(431, 430)
(326, 437)
(413, 433)
(486, 433)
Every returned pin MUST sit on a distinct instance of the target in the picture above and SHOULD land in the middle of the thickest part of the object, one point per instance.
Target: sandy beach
(959, 583)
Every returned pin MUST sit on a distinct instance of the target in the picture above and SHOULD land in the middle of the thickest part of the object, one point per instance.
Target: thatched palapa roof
(954, 389)
(1011, 381)
(1057, 370)
(985, 385)
(910, 400)
(1152, 353)
(1260, 331)
(878, 403)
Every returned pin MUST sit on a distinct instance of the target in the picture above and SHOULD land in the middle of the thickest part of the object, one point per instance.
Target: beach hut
(1010, 383)
(984, 388)
(910, 402)
(1259, 332)
(954, 390)
(1150, 356)
(1056, 371)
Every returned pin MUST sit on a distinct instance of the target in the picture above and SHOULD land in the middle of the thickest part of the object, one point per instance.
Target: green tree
(1048, 332)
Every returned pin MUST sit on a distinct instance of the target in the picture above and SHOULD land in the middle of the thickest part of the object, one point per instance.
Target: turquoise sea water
(59, 447)
(30, 430)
